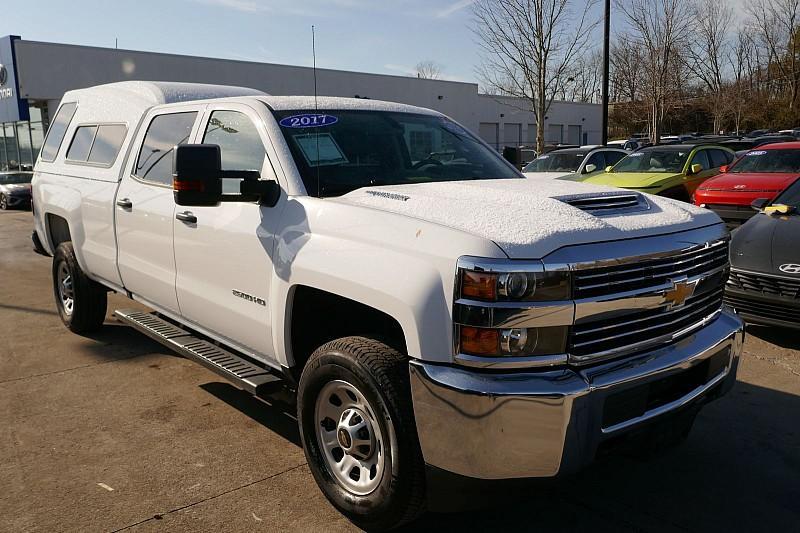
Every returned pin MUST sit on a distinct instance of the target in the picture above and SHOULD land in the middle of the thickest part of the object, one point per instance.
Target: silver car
(15, 189)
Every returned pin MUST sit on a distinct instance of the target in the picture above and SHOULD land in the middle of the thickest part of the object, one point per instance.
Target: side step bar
(244, 374)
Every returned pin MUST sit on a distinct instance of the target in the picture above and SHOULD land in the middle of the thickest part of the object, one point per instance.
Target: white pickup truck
(439, 315)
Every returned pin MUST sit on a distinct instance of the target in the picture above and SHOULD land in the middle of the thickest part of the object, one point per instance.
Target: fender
(400, 266)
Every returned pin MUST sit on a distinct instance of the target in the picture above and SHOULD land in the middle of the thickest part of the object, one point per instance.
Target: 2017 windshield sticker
(308, 120)
(636, 154)
(543, 157)
(757, 152)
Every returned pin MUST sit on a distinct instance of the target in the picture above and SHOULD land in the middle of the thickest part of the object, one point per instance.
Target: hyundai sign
(12, 107)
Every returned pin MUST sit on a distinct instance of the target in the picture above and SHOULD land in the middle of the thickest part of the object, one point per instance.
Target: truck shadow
(117, 341)
(783, 337)
(737, 471)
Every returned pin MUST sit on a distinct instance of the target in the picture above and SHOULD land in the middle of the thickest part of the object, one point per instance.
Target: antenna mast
(314, 65)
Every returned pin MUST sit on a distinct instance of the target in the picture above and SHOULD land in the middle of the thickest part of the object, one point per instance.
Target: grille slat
(763, 309)
(635, 330)
(750, 281)
(609, 280)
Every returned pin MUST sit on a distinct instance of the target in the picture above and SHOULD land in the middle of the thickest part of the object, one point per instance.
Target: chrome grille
(626, 304)
(765, 284)
(649, 272)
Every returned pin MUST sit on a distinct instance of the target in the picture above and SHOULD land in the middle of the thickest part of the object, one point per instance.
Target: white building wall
(47, 70)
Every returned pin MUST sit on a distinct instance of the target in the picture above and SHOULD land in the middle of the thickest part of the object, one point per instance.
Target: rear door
(224, 255)
(145, 207)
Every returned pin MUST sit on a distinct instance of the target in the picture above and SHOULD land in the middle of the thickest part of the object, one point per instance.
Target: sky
(381, 36)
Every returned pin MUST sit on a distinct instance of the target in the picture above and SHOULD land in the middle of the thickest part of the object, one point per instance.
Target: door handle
(186, 216)
(125, 203)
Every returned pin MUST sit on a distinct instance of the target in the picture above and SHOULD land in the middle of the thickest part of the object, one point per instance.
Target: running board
(244, 374)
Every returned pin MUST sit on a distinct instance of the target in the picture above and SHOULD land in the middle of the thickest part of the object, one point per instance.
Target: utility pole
(606, 32)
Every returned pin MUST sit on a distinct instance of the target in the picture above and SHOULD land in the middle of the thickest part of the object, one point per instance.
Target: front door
(223, 253)
(145, 209)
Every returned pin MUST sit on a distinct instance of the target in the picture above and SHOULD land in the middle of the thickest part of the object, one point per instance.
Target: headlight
(512, 311)
(515, 286)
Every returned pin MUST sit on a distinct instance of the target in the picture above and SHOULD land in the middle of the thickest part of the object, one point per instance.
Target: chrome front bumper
(540, 424)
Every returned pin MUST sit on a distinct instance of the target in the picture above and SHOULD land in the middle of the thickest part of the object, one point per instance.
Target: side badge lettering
(249, 297)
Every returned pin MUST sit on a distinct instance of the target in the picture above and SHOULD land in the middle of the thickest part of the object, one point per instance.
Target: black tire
(89, 298)
(3, 202)
(380, 373)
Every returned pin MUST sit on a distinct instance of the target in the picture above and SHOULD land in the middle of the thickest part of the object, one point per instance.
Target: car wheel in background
(81, 302)
(3, 202)
(358, 431)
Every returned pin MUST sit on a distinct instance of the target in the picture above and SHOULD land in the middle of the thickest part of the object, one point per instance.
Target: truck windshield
(338, 151)
(556, 162)
(777, 161)
(653, 161)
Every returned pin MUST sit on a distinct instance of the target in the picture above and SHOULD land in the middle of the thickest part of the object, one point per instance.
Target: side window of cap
(240, 145)
(55, 135)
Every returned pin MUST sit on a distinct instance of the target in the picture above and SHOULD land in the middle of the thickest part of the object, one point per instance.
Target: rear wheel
(3, 202)
(359, 435)
(81, 302)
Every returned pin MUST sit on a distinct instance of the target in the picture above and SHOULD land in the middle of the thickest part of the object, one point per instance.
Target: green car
(674, 171)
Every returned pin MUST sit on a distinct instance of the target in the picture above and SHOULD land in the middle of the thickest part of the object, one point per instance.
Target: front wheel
(358, 431)
(81, 301)
(3, 202)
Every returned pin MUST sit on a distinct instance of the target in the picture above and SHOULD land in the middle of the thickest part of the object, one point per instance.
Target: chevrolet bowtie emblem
(681, 290)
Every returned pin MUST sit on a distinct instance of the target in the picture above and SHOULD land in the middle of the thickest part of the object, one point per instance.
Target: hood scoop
(608, 203)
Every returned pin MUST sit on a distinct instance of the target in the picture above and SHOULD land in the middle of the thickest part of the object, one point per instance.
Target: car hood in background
(634, 180)
(546, 175)
(765, 242)
(749, 182)
(16, 188)
(527, 218)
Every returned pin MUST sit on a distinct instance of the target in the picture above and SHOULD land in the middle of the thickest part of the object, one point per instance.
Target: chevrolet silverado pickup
(434, 311)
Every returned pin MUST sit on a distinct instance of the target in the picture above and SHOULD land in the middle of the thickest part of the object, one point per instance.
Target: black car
(15, 189)
(764, 282)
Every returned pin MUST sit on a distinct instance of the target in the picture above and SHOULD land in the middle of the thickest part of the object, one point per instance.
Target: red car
(760, 173)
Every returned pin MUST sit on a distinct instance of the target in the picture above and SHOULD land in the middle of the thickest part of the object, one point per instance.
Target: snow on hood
(523, 216)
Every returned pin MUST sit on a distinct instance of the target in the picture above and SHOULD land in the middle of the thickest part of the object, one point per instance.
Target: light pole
(606, 32)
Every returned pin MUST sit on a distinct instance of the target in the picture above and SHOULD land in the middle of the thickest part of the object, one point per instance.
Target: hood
(525, 217)
(765, 242)
(546, 175)
(633, 180)
(749, 182)
(16, 187)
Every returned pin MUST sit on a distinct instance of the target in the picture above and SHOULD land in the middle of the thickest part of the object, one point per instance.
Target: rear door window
(164, 133)
(58, 128)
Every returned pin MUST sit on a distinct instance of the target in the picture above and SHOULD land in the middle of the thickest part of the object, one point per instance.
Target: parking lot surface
(113, 432)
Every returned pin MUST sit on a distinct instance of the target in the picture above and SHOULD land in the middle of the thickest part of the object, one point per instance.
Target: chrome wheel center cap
(354, 434)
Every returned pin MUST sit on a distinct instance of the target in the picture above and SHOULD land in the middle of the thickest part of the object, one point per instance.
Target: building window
(21, 141)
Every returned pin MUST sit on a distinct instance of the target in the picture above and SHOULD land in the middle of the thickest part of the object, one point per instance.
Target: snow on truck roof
(126, 101)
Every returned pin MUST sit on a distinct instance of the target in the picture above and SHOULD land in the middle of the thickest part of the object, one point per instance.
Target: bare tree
(740, 90)
(529, 47)
(775, 22)
(659, 28)
(708, 53)
(585, 79)
(429, 69)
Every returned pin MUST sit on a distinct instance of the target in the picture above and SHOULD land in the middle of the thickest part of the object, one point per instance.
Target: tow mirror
(197, 179)
(696, 168)
(759, 203)
(723, 169)
(197, 175)
(589, 168)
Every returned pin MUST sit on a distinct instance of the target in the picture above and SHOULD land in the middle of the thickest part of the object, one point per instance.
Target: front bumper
(540, 424)
(765, 309)
(18, 201)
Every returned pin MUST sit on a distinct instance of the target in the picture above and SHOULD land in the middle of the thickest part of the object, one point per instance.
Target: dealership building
(35, 75)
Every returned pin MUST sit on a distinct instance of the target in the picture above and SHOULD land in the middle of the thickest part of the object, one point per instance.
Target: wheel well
(58, 230)
(319, 316)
